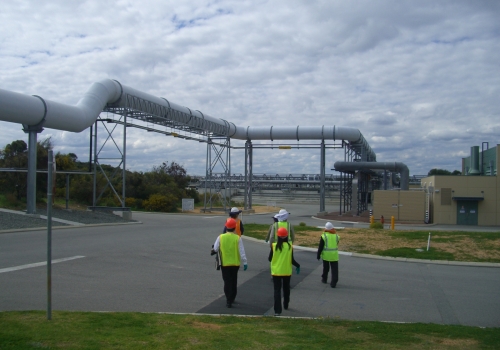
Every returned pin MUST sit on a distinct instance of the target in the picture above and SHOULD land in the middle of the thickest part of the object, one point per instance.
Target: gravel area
(11, 221)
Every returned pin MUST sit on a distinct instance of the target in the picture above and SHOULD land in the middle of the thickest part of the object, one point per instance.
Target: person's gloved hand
(266, 241)
(245, 267)
(298, 270)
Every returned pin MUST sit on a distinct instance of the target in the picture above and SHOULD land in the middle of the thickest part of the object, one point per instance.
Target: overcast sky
(419, 79)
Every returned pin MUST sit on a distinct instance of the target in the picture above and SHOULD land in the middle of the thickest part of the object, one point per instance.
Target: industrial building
(470, 199)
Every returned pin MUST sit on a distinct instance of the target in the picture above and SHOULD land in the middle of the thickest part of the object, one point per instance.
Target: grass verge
(84, 330)
(432, 254)
(445, 245)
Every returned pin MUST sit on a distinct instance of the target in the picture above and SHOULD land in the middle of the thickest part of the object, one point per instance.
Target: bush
(110, 202)
(377, 225)
(130, 202)
(302, 224)
(134, 203)
(60, 192)
(158, 202)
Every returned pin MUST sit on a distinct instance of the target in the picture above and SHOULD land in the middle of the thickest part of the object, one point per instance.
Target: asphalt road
(163, 264)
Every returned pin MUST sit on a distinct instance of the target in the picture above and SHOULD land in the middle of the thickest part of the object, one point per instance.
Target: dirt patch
(450, 343)
(353, 240)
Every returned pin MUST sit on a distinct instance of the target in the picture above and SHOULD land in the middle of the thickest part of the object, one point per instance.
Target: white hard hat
(328, 226)
(235, 210)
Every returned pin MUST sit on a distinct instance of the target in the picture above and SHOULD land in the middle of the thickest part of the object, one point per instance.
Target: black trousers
(230, 277)
(334, 265)
(279, 282)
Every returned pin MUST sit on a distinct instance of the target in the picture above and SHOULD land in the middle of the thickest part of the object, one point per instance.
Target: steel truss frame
(249, 147)
(119, 169)
(217, 184)
(152, 117)
(171, 122)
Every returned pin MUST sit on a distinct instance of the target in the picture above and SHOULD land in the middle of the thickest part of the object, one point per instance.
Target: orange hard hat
(282, 232)
(230, 223)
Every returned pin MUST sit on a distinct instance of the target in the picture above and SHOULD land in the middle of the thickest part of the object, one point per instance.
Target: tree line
(443, 172)
(160, 189)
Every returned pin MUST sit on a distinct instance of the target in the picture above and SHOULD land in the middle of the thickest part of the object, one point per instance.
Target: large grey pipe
(390, 166)
(34, 110)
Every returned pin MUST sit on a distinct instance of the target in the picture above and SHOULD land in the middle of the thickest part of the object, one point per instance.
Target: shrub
(130, 202)
(158, 202)
(377, 225)
(110, 202)
(11, 197)
(302, 224)
(60, 192)
(139, 203)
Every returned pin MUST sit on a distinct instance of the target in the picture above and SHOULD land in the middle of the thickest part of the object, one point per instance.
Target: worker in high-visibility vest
(232, 255)
(235, 213)
(281, 258)
(282, 221)
(329, 252)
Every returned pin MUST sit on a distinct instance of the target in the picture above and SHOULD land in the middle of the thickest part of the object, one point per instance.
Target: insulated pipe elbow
(84, 114)
(33, 110)
(405, 176)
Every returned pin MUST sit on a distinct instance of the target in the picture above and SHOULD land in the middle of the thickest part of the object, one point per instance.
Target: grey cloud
(419, 81)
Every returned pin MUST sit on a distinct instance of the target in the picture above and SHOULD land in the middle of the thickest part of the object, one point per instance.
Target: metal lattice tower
(217, 184)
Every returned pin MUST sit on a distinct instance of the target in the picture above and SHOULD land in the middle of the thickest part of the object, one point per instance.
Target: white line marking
(43, 263)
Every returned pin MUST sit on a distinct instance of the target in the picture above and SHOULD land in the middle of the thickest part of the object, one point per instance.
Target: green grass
(9, 201)
(84, 330)
(377, 226)
(445, 236)
(258, 231)
(404, 252)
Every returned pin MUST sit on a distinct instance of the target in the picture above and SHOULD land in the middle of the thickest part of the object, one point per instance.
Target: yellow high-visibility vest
(281, 224)
(330, 251)
(230, 254)
(281, 263)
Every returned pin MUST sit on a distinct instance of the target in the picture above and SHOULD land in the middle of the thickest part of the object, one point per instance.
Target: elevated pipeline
(390, 166)
(35, 110)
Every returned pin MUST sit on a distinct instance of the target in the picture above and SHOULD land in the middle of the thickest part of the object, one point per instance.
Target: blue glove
(298, 270)
(245, 267)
